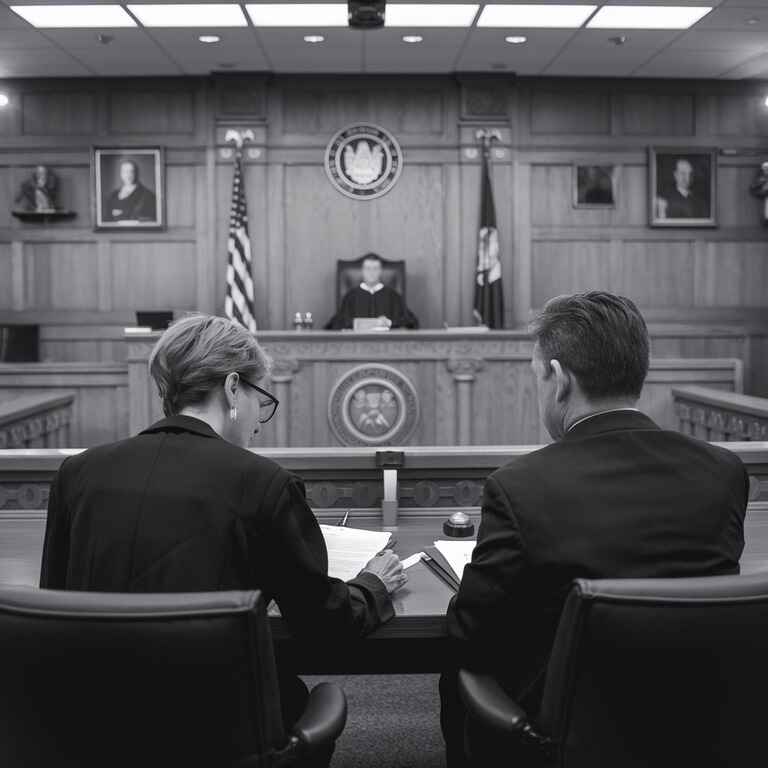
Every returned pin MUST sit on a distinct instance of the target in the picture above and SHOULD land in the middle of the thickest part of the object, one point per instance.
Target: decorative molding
(465, 368)
(31, 495)
(283, 369)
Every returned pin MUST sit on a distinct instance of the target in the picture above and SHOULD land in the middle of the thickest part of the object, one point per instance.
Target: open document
(350, 549)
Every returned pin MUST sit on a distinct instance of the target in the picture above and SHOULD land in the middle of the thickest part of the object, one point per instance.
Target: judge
(373, 299)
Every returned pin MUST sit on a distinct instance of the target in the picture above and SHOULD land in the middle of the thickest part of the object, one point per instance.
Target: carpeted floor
(394, 722)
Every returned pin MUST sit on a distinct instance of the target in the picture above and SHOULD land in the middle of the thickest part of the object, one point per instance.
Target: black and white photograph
(594, 186)
(129, 188)
(407, 408)
(682, 187)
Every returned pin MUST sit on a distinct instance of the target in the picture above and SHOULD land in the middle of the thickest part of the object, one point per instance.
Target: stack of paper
(457, 553)
(350, 549)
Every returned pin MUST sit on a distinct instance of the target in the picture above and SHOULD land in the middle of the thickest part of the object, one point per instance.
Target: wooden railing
(713, 414)
(36, 421)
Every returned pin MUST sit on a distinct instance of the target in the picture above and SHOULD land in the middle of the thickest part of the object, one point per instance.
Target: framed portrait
(128, 188)
(594, 186)
(682, 187)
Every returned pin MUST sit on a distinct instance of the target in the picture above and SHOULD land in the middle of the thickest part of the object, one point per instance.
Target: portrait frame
(699, 175)
(606, 178)
(144, 209)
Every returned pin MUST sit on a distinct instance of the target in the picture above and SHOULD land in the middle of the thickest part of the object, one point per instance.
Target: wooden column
(464, 370)
(283, 369)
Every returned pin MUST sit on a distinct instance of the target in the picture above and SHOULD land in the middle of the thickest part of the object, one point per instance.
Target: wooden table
(413, 641)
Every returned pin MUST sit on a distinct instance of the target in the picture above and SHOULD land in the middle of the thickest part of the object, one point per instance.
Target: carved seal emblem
(373, 405)
(363, 161)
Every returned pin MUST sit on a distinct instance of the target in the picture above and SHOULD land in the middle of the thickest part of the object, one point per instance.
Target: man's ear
(563, 381)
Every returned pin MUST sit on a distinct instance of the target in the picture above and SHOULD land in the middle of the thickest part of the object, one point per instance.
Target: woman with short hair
(184, 507)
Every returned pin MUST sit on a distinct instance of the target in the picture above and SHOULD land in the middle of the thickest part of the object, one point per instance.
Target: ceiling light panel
(648, 16)
(74, 16)
(298, 14)
(430, 15)
(535, 16)
(187, 15)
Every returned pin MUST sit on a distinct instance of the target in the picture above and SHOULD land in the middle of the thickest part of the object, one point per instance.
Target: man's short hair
(598, 336)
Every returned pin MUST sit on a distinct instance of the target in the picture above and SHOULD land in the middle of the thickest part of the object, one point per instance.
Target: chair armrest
(323, 718)
(488, 703)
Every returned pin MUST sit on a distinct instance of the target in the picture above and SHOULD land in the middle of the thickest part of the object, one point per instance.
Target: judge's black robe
(361, 303)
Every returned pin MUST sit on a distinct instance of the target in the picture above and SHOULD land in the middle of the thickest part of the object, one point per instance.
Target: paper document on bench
(457, 553)
(350, 549)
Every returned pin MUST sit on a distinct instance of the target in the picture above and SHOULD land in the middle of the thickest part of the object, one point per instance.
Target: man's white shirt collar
(600, 413)
(376, 288)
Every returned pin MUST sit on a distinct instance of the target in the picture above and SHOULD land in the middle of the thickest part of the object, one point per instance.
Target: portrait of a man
(682, 188)
(129, 188)
(594, 186)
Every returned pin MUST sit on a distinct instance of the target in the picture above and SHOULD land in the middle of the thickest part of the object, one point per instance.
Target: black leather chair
(176, 680)
(643, 674)
(349, 274)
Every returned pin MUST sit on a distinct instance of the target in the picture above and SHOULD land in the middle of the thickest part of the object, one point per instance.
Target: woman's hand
(387, 566)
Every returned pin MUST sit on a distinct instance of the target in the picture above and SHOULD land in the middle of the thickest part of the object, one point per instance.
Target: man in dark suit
(615, 496)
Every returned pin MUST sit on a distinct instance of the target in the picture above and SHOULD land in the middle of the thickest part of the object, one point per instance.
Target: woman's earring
(233, 414)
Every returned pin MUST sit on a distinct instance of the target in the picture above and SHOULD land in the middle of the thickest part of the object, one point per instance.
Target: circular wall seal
(373, 405)
(363, 161)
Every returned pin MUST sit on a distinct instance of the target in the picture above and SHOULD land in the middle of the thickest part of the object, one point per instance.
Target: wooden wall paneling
(154, 274)
(572, 110)
(6, 275)
(407, 223)
(452, 255)
(658, 273)
(181, 192)
(258, 220)
(735, 208)
(18, 297)
(58, 112)
(521, 290)
(282, 267)
(470, 217)
(649, 113)
(732, 274)
(152, 111)
(566, 266)
(61, 275)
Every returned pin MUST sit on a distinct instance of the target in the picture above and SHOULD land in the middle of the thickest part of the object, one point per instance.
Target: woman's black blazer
(179, 509)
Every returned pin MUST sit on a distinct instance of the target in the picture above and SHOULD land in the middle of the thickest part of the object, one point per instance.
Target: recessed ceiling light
(298, 14)
(209, 39)
(618, 40)
(753, 20)
(430, 15)
(313, 39)
(648, 16)
(552, 16)
(74, 16)
(188, 15)
(4, 100)
(516, 39)
(412, 38)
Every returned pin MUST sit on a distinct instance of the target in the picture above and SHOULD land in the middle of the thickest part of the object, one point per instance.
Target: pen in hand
(343, 521)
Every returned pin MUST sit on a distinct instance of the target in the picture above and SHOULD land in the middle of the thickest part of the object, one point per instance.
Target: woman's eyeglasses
(268, 401)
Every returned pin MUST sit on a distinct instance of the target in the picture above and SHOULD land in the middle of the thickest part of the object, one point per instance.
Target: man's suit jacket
(618, 497)
(178, 509)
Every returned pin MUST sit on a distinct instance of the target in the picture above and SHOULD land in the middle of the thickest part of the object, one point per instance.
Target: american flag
(238, 304)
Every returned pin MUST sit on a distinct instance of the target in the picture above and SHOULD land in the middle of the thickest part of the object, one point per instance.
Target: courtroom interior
(308, 314)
